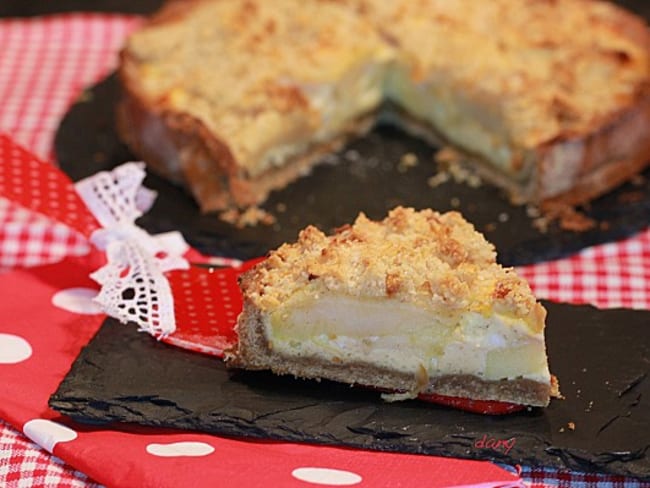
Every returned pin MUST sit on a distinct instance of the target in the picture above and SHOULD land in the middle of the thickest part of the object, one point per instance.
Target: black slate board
(602, 358)
(366, 178)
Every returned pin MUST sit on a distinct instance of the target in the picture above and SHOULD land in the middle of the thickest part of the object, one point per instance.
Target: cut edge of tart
(415, 305)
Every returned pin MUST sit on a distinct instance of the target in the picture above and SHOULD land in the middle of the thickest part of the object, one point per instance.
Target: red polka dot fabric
(44, 331)
(47, 315)
(207, 302)
(30, 182)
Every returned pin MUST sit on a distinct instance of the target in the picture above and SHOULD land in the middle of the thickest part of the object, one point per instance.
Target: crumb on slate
(249, 217)
(408, 160)
(451, 165)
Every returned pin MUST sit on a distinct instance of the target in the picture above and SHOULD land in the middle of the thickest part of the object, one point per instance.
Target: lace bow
(133, 284)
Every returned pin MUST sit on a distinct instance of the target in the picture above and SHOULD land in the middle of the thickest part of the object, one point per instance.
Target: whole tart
(413, 305)
(236, 98)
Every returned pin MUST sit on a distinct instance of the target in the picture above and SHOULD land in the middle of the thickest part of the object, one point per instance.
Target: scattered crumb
(250, 217)
(503, 217)
(455, 202)
(589, 406)
(438, 179)
(281, 207)
(408, 160)
(451, 166)
(474, 180)
(571, 426)
(555, 388)
(462, 174)
(447, 155)
(561, 429)
(231, 215)
(532, 211)
(568, 216)
(541, 224)
(490, 227)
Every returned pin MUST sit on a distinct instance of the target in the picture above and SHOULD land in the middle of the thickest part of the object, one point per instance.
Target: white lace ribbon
(133, 289)
(133, 285)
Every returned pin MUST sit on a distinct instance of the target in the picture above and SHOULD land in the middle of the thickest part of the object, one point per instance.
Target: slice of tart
(415, 305)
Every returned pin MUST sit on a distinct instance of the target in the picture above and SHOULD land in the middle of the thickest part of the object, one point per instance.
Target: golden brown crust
(563, 145)
(608, 156)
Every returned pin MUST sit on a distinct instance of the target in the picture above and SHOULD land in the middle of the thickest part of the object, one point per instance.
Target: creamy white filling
(357, 94)
(408, 338)
(465, 122)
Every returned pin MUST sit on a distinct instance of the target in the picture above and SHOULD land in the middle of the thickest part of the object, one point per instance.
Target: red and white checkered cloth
(46, 63)
(23, 463)
(608, 276)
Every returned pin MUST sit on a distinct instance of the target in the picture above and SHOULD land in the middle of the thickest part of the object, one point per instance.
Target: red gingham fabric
(23, 463)
(608, 276)
(45, 64)
(29, 239)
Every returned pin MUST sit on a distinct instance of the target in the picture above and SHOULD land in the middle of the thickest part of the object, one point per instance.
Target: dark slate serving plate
(367, 177)
(602, 358)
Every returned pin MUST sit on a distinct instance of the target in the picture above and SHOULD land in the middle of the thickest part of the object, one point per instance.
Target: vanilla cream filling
(339, 105)
(407, 338)
(464, 121)
(455, 114)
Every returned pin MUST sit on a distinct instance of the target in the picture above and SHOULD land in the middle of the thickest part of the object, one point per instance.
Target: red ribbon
(207, 299)
(42, 188)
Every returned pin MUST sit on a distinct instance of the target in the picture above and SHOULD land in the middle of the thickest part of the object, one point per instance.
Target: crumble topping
(425, 257)
(543, 65)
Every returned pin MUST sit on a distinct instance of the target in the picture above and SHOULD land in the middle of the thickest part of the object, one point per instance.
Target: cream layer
(407, 337)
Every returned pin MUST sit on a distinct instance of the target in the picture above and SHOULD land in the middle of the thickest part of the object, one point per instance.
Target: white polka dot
(47, 433)
(176, 449)
(13, 349)
(326, 476)
(77, 300)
